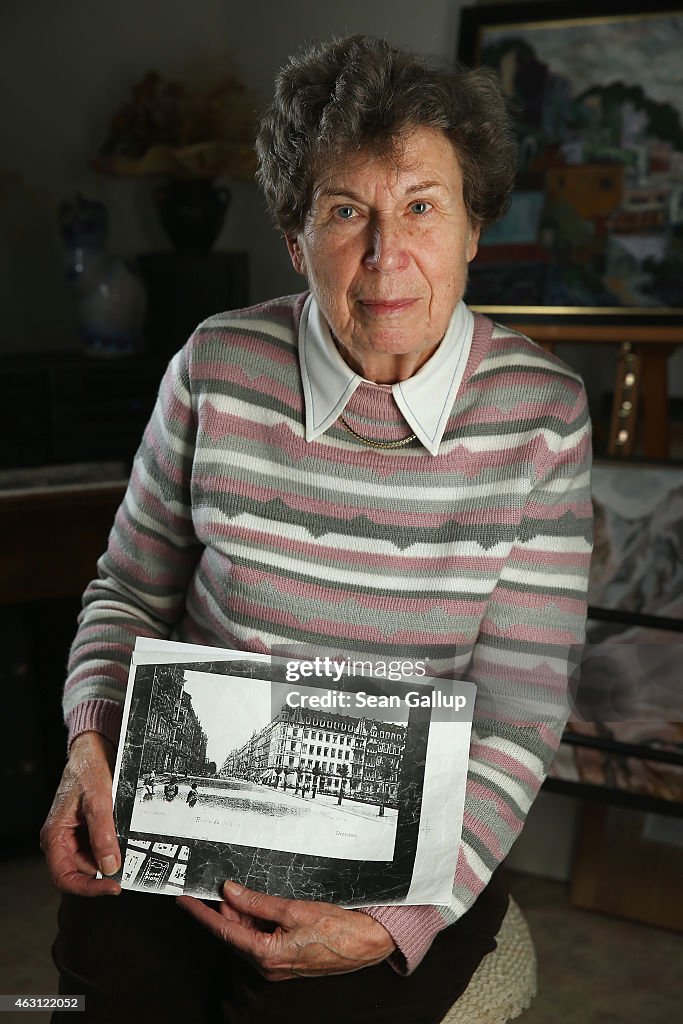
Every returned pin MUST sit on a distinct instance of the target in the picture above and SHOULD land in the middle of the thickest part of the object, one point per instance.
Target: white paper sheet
(370, 847)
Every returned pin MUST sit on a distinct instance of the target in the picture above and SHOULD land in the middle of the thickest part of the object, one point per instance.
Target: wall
(546, 845)
(65, 68)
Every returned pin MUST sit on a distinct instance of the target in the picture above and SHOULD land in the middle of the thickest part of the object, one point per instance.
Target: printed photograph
(227, 770)
(218, 765)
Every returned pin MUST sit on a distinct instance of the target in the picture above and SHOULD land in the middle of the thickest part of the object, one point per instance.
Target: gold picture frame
(595, 228)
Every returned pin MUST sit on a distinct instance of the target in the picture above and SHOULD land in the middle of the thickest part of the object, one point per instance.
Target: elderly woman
(367, 466)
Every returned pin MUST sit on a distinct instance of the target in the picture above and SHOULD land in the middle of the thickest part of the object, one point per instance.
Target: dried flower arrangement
(203, 128)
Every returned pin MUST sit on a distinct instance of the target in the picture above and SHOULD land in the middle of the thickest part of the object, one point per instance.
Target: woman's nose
(386, 251)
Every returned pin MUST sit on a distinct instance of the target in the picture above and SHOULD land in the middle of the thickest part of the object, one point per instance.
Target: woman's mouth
(386, 307)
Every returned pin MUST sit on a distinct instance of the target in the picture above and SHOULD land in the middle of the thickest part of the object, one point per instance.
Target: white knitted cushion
(505, 981)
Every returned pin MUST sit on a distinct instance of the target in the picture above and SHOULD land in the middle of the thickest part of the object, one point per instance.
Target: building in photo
(323, 752)
(175, 741)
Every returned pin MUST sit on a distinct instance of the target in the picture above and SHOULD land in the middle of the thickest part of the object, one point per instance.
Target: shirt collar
(426, 399)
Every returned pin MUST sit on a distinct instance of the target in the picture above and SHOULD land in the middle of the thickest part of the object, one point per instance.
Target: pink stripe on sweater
(176, 407)
(117, 674)
(559, 559)
(175, 473)
(160, 551)
(465, 876)
(412, 929)
(96, 715)
(550, 738)
(523, 379)
(150, 573)
(481, 830)
(156, 507)
(511, 765)
(98, 648)
(503, 809)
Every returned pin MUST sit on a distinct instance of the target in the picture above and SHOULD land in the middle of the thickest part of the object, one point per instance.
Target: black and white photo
(330, 792)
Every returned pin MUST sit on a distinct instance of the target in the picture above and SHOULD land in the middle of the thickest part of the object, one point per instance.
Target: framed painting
(594, 231)
(624, 739)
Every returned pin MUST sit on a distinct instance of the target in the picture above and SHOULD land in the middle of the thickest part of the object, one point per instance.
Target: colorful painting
(596, 221)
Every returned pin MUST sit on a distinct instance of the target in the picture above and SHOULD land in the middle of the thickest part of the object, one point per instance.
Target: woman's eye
(345, 212)
(420, 207)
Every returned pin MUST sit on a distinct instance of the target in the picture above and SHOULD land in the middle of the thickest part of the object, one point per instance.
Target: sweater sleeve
(528, 645)
(142, 578)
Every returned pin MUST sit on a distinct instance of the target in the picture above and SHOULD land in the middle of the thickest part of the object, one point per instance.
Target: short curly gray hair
(362, 94)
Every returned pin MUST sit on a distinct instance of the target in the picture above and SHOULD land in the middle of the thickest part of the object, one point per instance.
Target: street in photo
(351, 792)
(217, 766)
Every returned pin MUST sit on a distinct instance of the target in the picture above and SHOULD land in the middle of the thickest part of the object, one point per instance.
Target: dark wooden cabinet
(50, 540)
(64, 407)
(185, 287)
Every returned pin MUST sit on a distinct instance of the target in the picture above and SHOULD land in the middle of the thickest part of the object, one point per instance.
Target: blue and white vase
(111, 298)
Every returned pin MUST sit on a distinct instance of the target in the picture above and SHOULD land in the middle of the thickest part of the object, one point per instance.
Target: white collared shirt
(425, 399)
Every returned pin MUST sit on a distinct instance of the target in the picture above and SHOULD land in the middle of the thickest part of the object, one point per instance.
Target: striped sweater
(236, 532)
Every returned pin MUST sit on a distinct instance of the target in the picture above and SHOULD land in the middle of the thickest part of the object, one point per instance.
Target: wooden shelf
(601, 334)
(50, 539)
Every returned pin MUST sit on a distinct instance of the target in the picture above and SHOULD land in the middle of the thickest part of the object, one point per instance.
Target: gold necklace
(378, 444)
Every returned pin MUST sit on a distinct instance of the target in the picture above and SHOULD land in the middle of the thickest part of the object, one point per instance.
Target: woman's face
(385, 248)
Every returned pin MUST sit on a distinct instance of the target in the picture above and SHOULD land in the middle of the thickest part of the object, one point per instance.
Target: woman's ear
(473, 241)
(296, 254)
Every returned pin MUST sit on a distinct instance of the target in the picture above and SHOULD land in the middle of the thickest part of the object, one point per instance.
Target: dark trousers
(138, 957)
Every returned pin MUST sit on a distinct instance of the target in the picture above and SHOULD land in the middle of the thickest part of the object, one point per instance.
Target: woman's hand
(293, 938)
(78, 836)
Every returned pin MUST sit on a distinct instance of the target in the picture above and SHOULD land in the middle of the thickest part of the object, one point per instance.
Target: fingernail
(233, 889)
(109, 865)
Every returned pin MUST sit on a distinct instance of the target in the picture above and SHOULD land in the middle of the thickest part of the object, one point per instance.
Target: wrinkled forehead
(426, 154)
